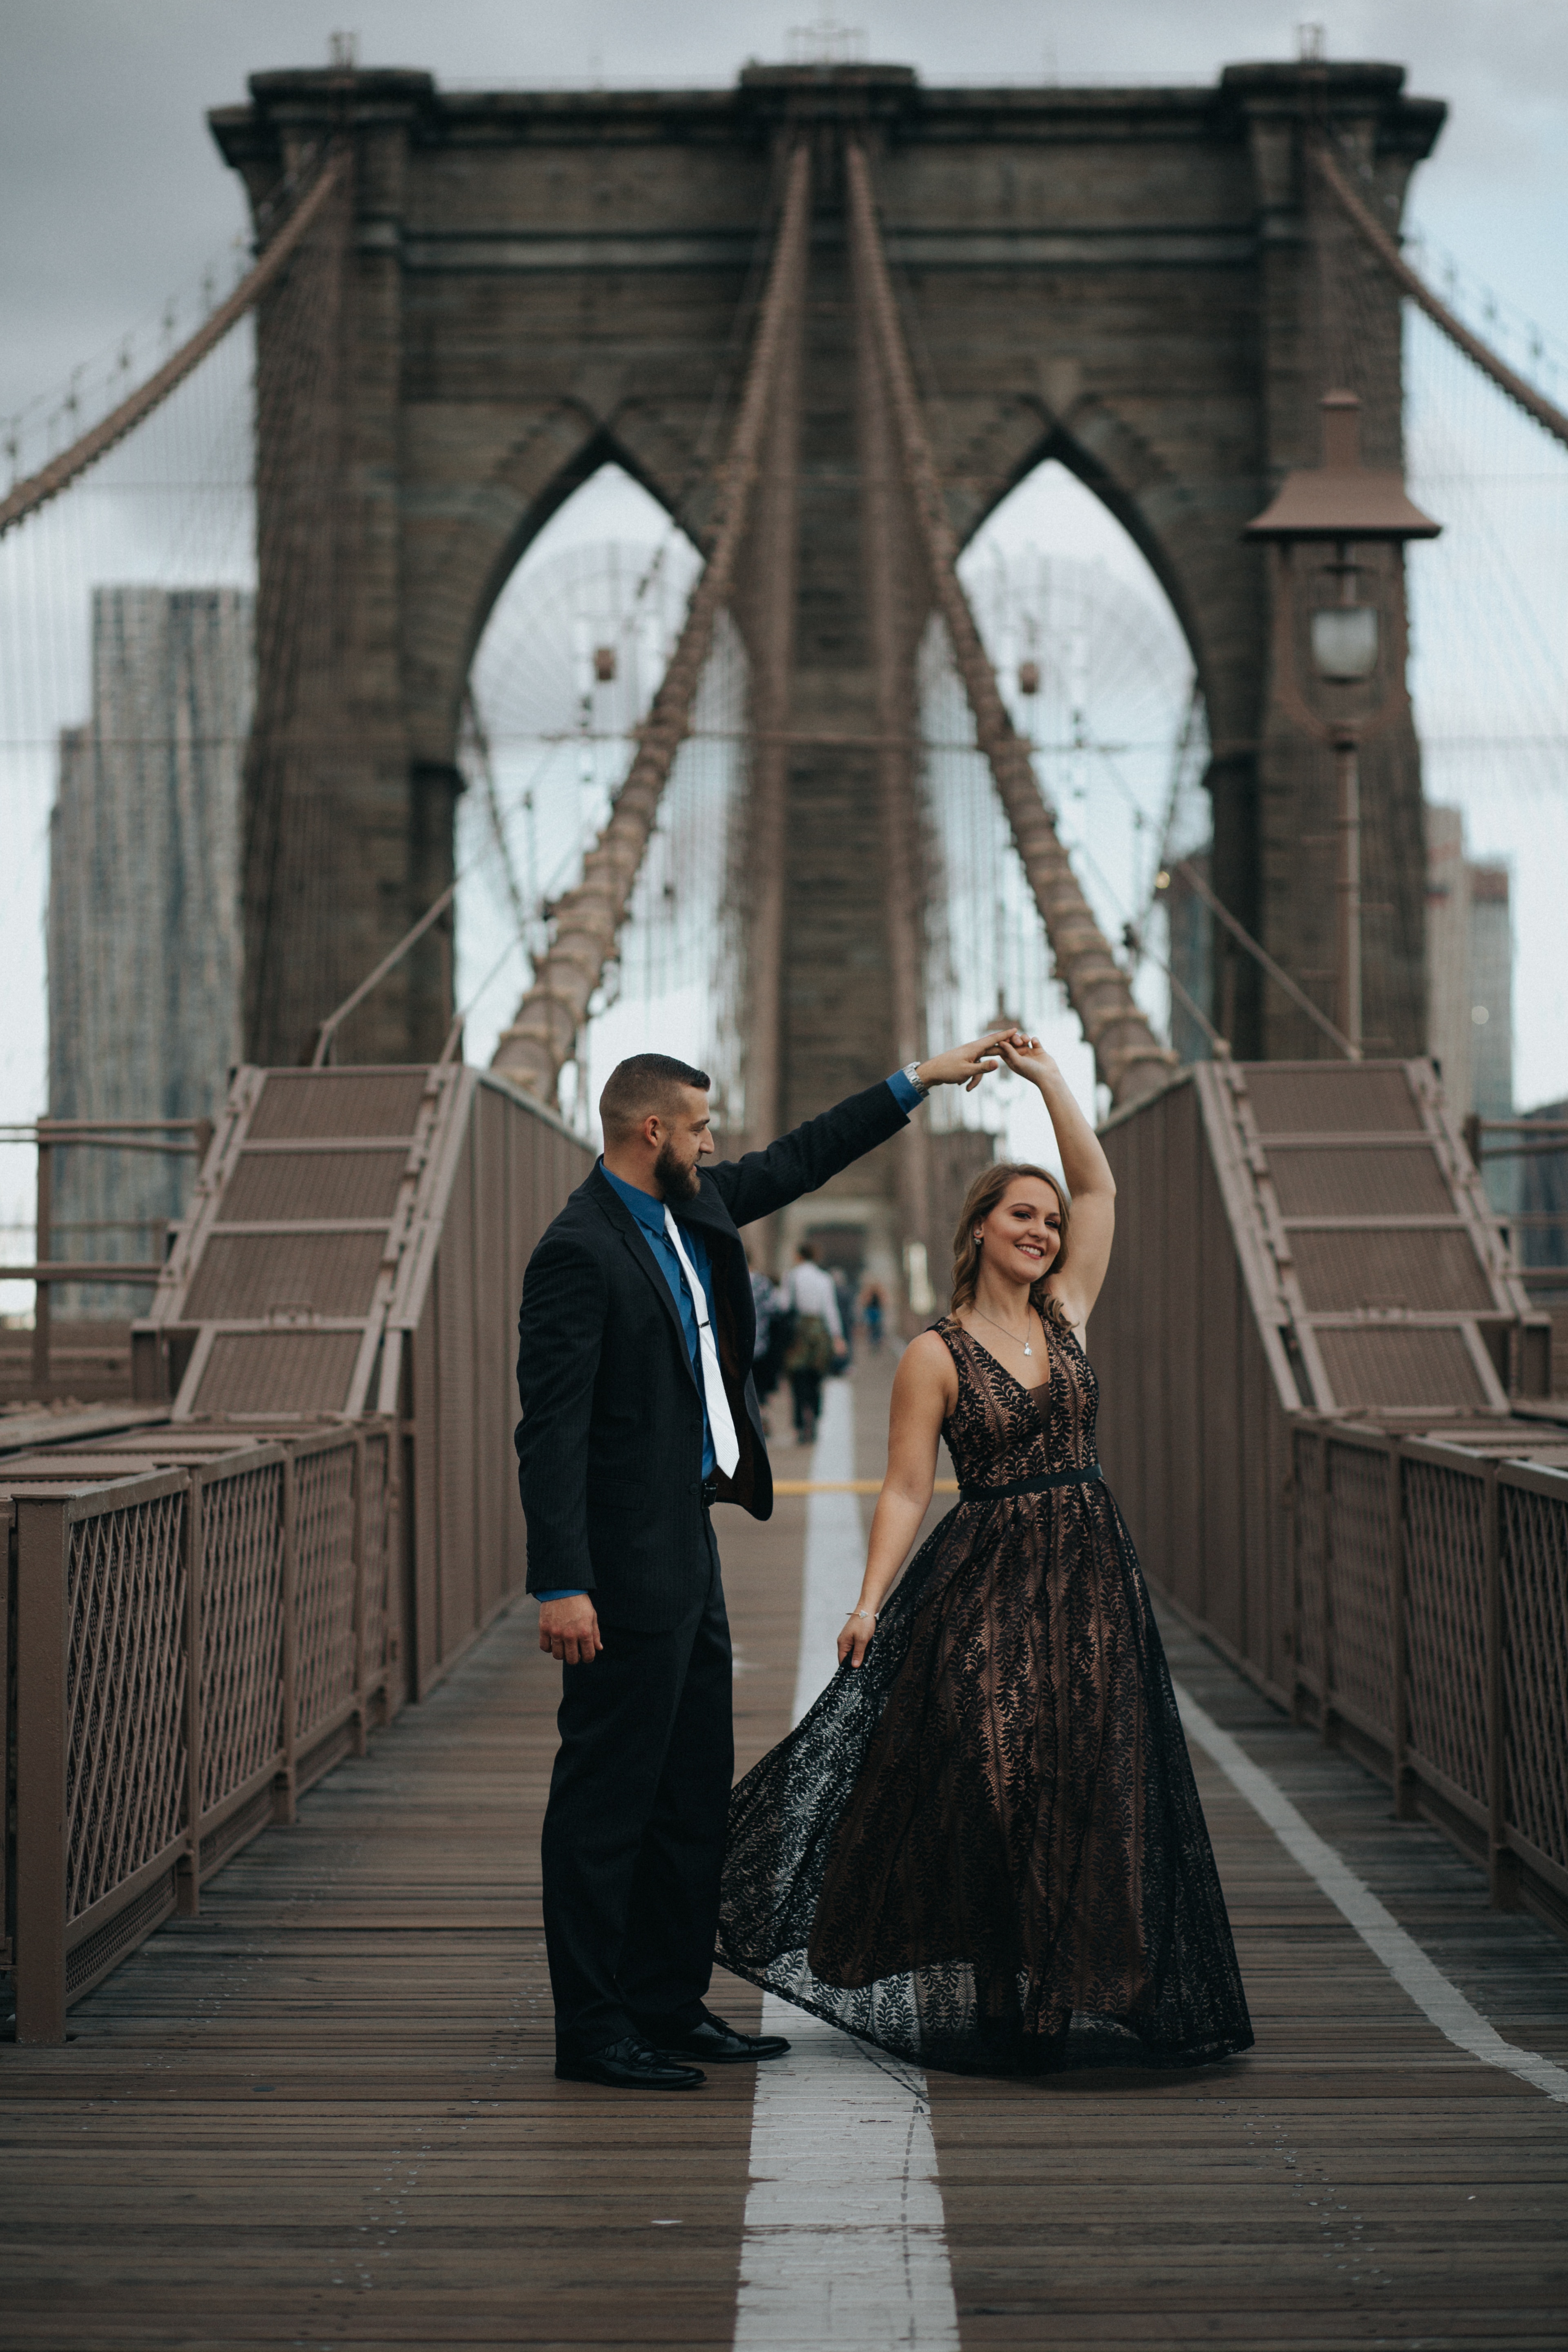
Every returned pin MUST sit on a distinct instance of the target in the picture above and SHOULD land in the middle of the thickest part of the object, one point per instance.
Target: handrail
(334, 1020)
(52, 1135)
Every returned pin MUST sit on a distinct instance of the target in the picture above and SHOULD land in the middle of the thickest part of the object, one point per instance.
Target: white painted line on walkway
(845, 2249)
(1442, 2002)
(835, 1548)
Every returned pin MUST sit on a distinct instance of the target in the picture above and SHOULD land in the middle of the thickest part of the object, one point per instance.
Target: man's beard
(675, 1181)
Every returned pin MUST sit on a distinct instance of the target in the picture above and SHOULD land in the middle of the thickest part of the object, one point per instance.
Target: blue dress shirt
(650, 1215)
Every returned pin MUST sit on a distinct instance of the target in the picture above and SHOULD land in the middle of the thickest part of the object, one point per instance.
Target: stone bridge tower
(1130, 280)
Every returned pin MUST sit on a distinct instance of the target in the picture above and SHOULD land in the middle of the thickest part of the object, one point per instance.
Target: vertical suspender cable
(543, 1038)
(1129, 1057)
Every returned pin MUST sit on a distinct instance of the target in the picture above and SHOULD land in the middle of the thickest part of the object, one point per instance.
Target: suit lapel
(643, 1258)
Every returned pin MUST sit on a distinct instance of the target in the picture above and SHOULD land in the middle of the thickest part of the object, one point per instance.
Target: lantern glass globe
(1344, 643)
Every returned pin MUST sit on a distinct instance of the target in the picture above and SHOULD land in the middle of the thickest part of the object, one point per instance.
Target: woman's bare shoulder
(927, 1359)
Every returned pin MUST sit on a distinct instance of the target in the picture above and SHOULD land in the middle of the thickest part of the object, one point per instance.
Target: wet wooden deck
(323, 2114)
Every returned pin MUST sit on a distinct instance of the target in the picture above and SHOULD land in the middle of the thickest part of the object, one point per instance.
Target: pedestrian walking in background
(871, 1318)
(816, 1341)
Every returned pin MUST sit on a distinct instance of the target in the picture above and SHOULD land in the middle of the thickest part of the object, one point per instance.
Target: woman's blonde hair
(989, 1188)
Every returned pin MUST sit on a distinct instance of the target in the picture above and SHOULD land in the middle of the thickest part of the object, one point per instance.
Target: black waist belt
(1042, 1485)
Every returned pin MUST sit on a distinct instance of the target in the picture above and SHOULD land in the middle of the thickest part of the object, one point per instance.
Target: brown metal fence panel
(125, 1689)
(244, 1275)
(242, 1627)
(1533, 1568)
(297, 1105)
(1307, 1098)
(1327, 1181)
(263, 1372)
(1222, 1564)
(1431, 1272)
(269, 1188)
(1310, 1599)
(456, 1402)
(135, 1776)
(324, 1582)
(382, 1648)
(1359, 1616)
(1445, 1627)
(1415, 1367)
(1180, 1354)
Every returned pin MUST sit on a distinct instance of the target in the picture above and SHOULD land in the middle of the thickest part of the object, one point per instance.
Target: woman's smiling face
(1023, 1233)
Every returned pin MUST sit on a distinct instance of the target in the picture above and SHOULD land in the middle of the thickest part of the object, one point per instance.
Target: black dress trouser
(633, 1845)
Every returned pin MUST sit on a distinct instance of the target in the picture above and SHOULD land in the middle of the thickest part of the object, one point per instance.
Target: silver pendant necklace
(1003, 1329)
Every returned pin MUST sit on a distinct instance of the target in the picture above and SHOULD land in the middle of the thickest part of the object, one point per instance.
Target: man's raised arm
(760, 1182)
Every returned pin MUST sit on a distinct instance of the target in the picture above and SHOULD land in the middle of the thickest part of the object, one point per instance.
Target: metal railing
(176, 1138)
(192, 1649)
(1429, 1598)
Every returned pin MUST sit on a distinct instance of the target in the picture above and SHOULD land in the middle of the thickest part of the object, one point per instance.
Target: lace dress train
(983, 1849)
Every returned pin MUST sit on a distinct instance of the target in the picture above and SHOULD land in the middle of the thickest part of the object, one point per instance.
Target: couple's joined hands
(965, 1065)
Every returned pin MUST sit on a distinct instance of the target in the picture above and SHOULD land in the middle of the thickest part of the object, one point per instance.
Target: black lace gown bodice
(985, 1849)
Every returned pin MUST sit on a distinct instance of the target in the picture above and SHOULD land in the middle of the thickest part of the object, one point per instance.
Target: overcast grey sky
(115, 197)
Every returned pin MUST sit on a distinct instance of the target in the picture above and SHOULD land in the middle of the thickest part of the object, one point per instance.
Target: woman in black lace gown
(982, 1848)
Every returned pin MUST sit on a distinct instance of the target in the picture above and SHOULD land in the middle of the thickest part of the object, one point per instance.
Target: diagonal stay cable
(1129, 1057)
(544, 1035)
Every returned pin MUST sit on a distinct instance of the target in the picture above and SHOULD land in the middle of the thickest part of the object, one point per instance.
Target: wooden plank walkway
(323, 2113)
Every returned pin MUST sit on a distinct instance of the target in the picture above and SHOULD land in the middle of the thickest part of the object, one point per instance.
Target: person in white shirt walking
(817, 1341)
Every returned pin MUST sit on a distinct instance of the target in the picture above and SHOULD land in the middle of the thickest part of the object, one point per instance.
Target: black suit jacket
(609, 1448)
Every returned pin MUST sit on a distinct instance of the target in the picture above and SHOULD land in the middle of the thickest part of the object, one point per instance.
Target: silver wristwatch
(912, 1070)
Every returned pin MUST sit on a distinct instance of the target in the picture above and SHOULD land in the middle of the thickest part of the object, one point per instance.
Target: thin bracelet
(860, 1612)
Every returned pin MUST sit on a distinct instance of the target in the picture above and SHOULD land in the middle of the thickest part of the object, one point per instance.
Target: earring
(978, 1239)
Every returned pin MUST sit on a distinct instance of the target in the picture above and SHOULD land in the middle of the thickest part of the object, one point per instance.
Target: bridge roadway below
(323, 2113)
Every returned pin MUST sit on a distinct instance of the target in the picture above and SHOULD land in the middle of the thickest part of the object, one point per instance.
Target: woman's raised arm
(1089, 1178)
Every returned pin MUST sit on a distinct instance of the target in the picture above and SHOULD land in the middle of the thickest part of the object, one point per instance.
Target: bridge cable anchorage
(1534, 403)
(26, 496)
(1129, 1057)
(542, 1037)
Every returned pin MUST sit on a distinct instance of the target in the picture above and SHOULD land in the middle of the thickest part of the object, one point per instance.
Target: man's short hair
(647, 1084)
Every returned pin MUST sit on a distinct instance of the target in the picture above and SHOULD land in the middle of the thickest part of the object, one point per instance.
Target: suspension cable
(61, 471)
(1533, 402)
(1129, 1057)
(543, 1038)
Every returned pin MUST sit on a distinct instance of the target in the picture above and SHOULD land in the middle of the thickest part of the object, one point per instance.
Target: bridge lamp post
(1357, 642)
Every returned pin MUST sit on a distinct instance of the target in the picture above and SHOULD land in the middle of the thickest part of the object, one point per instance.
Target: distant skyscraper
(1469, 985)
(143, 922)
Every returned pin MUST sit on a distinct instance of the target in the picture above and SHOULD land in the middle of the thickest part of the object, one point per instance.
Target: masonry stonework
(1132, 281)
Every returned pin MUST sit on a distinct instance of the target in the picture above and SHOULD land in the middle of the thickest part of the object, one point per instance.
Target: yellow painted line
(847, 1485)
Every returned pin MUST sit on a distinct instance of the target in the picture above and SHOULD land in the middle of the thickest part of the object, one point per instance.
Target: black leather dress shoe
(630, 2064)
(716, 2044)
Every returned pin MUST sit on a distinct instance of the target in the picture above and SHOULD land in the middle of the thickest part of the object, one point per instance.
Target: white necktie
(726, 1446)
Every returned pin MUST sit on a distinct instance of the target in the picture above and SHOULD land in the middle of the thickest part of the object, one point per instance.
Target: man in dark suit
(638, 1413)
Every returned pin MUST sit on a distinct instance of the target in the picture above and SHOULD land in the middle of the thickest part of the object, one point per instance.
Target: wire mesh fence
(191, 1647)
(1431, 1616)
